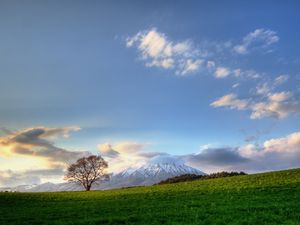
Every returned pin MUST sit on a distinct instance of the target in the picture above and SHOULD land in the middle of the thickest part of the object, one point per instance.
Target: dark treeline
(191, 177)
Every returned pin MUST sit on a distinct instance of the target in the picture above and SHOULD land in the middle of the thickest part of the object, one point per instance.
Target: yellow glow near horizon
(5, 151)
(21, 163)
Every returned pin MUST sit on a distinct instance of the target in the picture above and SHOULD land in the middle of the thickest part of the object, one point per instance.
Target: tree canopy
(87, 171)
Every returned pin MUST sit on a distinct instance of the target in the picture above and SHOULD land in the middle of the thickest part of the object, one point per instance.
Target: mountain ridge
(153, 172)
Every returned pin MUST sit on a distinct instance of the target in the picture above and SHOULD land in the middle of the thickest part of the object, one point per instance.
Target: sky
(215, 83)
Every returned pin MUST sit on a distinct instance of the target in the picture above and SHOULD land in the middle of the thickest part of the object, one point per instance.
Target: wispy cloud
(230, 101)
(266, 87)
(263, 89)
(157, 50)
(222, 72)
(126, 154)
(189, 66)
(281, 79)
(182, 57)
(277, 105)
(260, 38)
(236, 85)
(185, 57)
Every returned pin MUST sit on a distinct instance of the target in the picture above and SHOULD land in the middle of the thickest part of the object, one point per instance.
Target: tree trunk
(88, 188)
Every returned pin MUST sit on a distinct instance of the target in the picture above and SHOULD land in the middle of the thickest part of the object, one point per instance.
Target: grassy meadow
(267, 198)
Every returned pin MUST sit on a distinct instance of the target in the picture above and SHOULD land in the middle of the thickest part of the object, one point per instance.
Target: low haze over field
(214, 85)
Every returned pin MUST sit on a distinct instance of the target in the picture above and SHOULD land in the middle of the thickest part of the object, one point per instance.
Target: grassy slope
(269, 198)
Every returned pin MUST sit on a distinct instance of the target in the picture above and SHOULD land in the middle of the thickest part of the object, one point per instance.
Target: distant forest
(191, 177)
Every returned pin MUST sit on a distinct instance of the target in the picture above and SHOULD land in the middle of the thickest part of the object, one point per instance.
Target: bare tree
(87, 171)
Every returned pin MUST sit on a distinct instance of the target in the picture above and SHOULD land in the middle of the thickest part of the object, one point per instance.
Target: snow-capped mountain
(161, 165)
(157, 169)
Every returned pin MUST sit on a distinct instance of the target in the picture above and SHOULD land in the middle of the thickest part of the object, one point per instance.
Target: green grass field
(268, 198)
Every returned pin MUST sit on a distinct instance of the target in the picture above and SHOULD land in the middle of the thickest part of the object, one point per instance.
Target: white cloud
(290, 143)
(251, 74)
(277, 105)
(249, 151)
(237, 72)
(158, 51)
(167, 63)
(155, 45)
(260, 38)
(241, 49)
(281, 146)
(235, 85)
(266, 88)
(126, 154)
(263, 89)
(181, 48)
(184, 57)
(246, 74)
(190, 66)
(281, 79)
(222, 72)
(268, 37)
(230, 101)
(211, 64)
(106, 150)
(278, 153)
(280, 96)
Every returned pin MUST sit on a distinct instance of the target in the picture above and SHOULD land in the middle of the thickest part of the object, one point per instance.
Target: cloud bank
(272, 154)
(31, 155)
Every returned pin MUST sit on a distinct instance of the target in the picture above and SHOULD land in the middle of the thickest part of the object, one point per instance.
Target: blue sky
(86, 64)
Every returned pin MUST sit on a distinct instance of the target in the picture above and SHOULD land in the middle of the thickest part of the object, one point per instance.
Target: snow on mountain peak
(166, 159)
